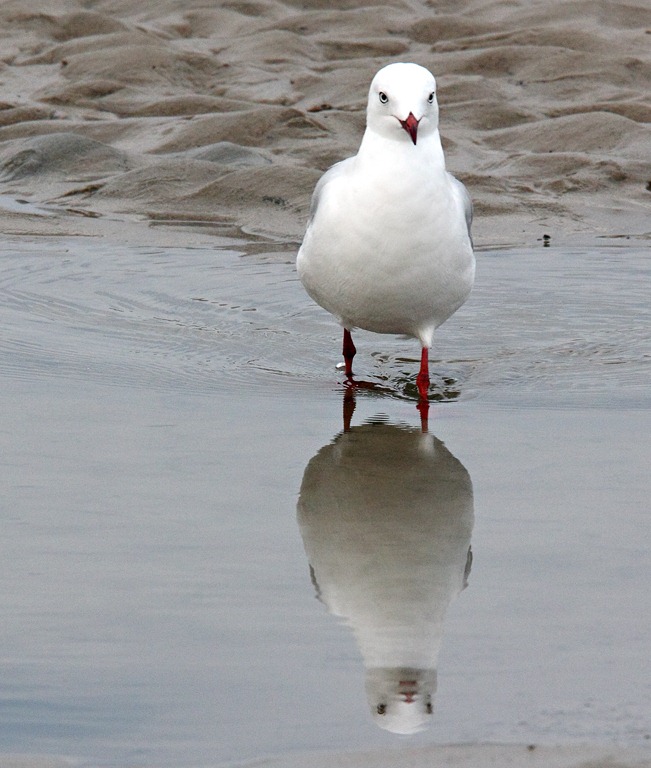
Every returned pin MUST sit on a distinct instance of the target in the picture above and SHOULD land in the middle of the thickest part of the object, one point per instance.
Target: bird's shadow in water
(386, 516)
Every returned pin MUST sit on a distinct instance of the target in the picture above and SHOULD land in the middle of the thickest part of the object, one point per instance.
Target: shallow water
(163, 408)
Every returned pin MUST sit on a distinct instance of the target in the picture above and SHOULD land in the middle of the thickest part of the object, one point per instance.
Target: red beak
(411, 126)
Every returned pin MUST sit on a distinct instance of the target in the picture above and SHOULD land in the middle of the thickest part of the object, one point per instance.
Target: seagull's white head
(402, 103)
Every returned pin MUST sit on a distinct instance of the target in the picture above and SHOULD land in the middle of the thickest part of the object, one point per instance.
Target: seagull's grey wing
(336, 170)
(462, 195)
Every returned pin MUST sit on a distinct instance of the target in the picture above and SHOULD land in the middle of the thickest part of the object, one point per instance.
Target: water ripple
(536, 325)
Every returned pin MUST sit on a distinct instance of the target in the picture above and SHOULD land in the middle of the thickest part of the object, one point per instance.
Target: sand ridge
(186, 110)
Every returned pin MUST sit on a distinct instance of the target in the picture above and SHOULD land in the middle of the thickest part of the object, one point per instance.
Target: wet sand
(463, 756)
(466, 756)
(183, 111)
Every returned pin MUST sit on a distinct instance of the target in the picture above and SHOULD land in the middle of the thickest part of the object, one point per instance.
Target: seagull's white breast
(388, 248)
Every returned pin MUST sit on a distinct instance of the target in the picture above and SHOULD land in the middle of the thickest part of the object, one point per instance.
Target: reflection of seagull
(388, 246)
(386, 515)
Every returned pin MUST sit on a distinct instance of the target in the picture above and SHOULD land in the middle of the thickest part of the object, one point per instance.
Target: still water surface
(198, 565)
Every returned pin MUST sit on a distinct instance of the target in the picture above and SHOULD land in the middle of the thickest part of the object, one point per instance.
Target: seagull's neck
(379, 150)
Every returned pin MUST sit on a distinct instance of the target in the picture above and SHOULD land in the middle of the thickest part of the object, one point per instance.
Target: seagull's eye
(383, 97)
(430, 98)
(381, 709)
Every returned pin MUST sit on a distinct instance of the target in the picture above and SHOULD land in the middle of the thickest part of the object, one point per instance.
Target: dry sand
(228, 112)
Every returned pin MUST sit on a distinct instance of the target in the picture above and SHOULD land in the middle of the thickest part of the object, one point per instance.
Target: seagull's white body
(388, 246)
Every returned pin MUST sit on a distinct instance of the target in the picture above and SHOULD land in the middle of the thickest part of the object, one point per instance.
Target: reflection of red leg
(422, 380)
(349, 406)
(423, 409)
(349, 352)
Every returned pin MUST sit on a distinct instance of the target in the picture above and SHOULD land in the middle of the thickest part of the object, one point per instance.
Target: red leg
(349, 352)
(422, 380)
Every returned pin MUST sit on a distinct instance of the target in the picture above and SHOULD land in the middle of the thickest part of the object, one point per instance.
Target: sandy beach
(169, 121)
(182, 111)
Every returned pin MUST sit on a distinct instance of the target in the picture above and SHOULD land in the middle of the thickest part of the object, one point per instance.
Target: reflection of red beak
(408, 689)
(411, 126)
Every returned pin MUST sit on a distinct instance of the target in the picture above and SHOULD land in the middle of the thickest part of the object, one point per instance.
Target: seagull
(388, 247)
